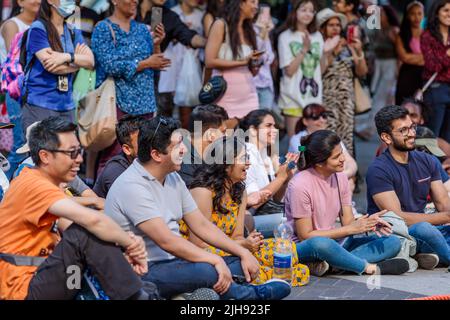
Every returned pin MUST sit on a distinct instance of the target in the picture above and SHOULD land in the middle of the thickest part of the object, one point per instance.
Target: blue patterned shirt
(134, 90)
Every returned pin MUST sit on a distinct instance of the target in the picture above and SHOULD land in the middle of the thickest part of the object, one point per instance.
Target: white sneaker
(427, 261)
(318, 269)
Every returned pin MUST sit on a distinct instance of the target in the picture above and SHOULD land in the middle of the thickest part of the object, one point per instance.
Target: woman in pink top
(230, 51)
(407, 45)
(319, 194)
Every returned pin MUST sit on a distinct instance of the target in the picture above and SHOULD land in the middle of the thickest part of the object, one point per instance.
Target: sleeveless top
(22, 26)
(225, 52)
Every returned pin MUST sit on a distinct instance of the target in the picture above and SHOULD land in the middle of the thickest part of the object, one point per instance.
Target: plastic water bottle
(282, 252)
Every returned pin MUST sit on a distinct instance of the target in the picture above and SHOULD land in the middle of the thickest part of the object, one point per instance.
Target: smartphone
(239, 279)
(156, 17)
(259, 52)
(352, 33)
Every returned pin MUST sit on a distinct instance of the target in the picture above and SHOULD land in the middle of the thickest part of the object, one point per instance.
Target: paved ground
(352, 287)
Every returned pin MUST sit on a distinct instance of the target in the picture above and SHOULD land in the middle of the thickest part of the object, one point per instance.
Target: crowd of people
(183, 203)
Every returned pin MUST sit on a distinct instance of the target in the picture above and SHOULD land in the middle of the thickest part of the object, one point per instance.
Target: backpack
(15, 66)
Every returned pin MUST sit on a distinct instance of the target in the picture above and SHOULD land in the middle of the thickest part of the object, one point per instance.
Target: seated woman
(219, 191)
(319, 194)
(264, 187)
(315, 117)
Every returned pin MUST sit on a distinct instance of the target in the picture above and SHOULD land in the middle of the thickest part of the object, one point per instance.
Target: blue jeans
(15, 117)
(353, 255)
(178, 276)
(266, 223)
(265, 98)
(432, 239)
(438, 97)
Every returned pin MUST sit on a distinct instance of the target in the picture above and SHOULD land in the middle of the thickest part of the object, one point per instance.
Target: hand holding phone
(156, 17)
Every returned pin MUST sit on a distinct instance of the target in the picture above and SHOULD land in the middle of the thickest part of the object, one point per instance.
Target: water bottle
(282, 251)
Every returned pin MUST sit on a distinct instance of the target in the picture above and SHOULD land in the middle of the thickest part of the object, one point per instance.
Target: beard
(400, 145)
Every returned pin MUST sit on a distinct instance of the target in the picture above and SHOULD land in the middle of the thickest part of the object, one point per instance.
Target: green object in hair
(301, 148)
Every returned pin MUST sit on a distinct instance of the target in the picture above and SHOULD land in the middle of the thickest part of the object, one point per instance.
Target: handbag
(213, 90)
(363, 103)
(97, 115)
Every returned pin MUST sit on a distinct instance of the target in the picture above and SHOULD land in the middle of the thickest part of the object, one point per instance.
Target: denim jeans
(265, 98)
(432, 239)
(178, 276)
(438, 98)
(353, 255)
(15, 117)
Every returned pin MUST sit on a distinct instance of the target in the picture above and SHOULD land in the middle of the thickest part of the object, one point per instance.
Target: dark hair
(214, 176)
(148, 140)
(44, 16)
(405, 27)
(310, 110)
(424, 133)
(254, 118)
(231, 14)
(44, 136)
(355, 3)
(210, 115)
(318, 147)
(214, 8)
(385, 117)
(433, 19)
(126, 126)
(291, 22)
(391, 15)
(15, 9)
(424, 108)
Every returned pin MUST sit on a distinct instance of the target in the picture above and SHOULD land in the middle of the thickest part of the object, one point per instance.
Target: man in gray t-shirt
(149, 198)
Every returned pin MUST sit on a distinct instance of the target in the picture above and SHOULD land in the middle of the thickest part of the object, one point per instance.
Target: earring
(21, 9)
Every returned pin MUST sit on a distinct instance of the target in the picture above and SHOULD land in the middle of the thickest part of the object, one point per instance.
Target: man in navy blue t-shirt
(401, 179)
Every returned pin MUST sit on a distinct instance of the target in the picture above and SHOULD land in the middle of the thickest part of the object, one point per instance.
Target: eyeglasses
(405, 130)
(317, 116)
(72, 153)
(164, 122)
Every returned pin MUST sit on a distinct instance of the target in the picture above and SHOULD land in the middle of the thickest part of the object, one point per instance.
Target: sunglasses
(72, 153)
(164, 122)
(315, 117)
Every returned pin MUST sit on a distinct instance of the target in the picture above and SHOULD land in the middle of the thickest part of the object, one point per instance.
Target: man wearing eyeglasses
(33, 265)
(150, 199)
(400, 180)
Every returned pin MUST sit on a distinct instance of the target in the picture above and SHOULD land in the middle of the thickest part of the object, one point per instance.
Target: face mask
(66, 8)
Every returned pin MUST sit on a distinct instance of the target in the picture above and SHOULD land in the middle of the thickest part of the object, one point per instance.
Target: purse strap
(341, 211)
(113, 33)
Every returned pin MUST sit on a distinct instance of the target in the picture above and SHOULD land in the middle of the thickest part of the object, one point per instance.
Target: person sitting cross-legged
(402, 178)
(32, 264)
(149, 198)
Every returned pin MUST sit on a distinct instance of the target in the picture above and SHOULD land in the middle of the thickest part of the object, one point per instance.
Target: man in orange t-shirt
(32, 266)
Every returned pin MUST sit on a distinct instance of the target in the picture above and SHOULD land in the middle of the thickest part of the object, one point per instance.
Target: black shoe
(394, 266)
(149, 291)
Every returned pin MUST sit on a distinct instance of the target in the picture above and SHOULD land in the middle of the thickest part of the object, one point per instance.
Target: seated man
(150, 199)
(127, 134)
(32, 263)
(400, 180)
(212, 120)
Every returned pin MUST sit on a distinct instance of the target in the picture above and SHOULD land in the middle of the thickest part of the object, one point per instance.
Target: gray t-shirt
(136, 196)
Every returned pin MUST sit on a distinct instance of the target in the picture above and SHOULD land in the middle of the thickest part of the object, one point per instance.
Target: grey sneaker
(427, 261)
(318, 269)
(199, 294)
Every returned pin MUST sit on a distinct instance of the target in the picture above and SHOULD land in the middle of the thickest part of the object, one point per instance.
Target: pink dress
(241, 96)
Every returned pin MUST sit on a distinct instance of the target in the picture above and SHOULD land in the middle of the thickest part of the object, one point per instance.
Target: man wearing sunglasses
(400, 180)
(33, 264)
(150, 199)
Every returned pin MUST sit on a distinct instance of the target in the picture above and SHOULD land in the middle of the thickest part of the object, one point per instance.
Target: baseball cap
(25, 148)
(426, 138)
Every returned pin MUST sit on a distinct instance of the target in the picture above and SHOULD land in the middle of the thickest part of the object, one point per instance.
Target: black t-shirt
(113, 169)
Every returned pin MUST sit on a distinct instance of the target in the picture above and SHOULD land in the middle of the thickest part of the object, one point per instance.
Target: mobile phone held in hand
(352, 33)
(239, 279)
(156, 17)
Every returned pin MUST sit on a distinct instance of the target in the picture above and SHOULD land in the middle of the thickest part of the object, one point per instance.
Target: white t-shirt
(261, 168)
(294, 143)
(305, 86)
(176, 51)
(21, 26)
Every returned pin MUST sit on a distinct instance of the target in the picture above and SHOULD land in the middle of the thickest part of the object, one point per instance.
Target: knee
(421, 229)
(393, 243)
(323, 245)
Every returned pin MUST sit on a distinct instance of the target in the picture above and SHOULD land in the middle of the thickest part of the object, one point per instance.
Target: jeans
(81, 249)
(432, 239)
(15, 117)
(353, 255)
(438, 97)
(178, 276)
(266, 223)
(265, 98)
